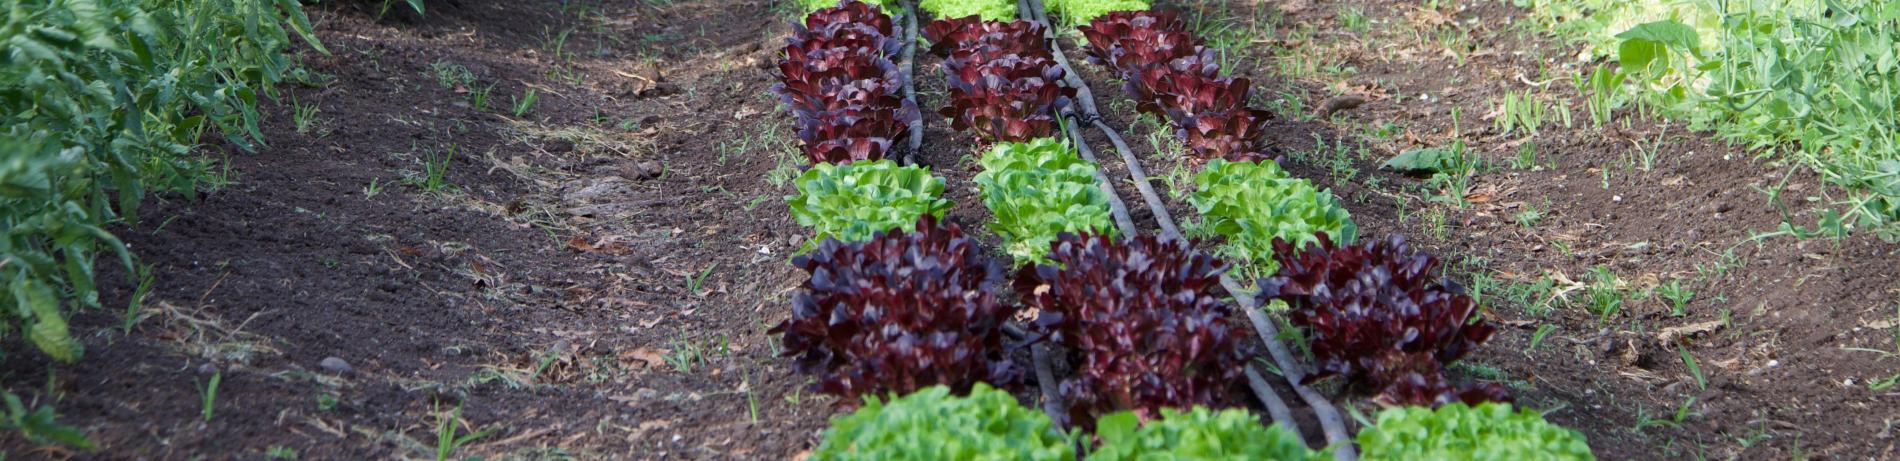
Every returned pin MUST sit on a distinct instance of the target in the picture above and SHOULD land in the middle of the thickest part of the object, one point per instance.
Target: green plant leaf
(1038, 190)
(1422, 161)
(852, 202)
(1488, 432)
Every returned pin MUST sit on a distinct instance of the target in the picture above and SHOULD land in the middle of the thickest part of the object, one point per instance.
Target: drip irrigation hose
(1323, 409)
(910, 81)
(1120, 210)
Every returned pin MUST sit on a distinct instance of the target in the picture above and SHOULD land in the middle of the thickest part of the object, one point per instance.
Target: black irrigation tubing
(910, 80)
(1120, 210)
(1323, 409)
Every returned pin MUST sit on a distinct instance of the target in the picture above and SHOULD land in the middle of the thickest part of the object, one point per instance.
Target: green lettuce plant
(1076, 12)
(931, 424)
(890, 7)
(1036, 191)
(1487, 432)
(989, 10)
(1198, 434)
(856, 201)
(1251, 203)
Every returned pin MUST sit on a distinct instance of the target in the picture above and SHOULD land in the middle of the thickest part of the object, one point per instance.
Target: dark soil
(596, 279)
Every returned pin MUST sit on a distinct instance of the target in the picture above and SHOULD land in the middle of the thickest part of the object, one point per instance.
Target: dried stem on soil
(1328, 415)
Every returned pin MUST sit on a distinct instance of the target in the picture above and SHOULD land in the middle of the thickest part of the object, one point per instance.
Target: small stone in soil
(334, 365)
(643, 171)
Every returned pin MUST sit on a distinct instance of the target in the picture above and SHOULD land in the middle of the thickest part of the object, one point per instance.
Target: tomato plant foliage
(102, 100)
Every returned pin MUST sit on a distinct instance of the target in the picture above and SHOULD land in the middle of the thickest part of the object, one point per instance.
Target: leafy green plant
(101, 100)
(446, 438)
(39, 426)
(888, 6)
(525, 103)
(435, 170)
(415, 5)
(1520, 112)
(1038, 190)
(989, 10)
(208, 395)
(1813, 80)
(1487, 432)
(931, 424)
(856, 201)
(1448, 169)
(1252, 203)
(1198, 434)
(1075, 12)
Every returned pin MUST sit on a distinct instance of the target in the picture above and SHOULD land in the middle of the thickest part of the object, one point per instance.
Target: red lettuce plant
(1144, 319)
(1015, 37)
(1004, 84)
(838, 80)
(1171, 75)
(853, 134)
(1194, 94)
(833, 78)
(1105, 31)
(1224, 135)
(1011, 99)
(849, 12)
(1376, 315)
(898, 313)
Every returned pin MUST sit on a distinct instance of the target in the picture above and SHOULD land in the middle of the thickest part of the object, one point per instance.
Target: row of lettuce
(898, 303)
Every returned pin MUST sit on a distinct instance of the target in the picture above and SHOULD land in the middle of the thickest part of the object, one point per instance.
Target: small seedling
(303, 117)
(525, 103)
(280, 452)
(374, 188)
(1528, 218)
(695, 282)
(685, 355)
(132, 316)
(1538, 337)
(478, 98)
(1606, 296)
(446, 441)
(1694, 369)
(1677, 296)
(208, 395)
(435, 166)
